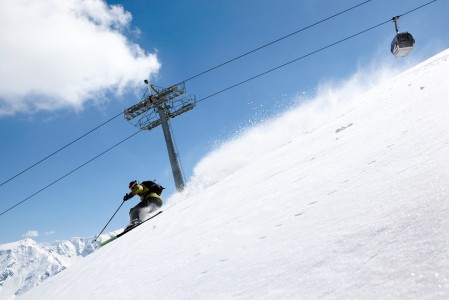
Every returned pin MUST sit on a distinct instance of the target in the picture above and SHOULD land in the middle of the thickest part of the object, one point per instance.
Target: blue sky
(69, 66)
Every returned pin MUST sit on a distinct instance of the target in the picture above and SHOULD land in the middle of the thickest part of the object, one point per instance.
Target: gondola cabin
(402, 44)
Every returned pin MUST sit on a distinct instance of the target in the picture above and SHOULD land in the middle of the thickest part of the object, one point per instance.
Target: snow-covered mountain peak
(27, 263)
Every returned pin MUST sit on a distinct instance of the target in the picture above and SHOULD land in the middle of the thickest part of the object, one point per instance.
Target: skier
(150, 200)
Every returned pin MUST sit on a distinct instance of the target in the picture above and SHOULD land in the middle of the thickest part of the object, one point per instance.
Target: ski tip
(107, 241)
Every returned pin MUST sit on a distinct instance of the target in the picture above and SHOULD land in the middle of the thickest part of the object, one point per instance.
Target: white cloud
(50, 232)
(31, 234)
(58, 54)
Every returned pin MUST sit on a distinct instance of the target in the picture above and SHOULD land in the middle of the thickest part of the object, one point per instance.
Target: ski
(128, 229)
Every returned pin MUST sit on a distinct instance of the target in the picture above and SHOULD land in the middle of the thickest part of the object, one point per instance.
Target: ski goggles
(133, 184)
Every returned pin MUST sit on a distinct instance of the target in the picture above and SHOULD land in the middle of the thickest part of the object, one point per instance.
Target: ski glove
(128, 196)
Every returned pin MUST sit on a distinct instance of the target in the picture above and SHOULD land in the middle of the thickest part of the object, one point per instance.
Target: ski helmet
(133, 184)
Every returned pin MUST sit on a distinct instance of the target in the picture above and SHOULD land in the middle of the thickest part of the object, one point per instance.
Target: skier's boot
(132, 224)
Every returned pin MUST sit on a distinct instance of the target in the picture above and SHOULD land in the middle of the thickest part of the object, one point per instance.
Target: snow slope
(346, 196)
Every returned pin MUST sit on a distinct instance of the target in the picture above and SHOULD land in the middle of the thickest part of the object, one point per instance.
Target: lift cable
(64, 147)
(212, 95)
(310, 54)
(275, 41)
(190, 78)
(60, 149)
(416, 8)
(69, 173)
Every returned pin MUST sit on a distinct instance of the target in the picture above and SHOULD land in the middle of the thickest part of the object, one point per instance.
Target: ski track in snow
(343, 197)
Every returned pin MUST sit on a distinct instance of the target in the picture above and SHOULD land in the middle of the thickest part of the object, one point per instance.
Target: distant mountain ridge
(27, 263)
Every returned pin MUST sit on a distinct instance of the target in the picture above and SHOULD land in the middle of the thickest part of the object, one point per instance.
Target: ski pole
(109, 221)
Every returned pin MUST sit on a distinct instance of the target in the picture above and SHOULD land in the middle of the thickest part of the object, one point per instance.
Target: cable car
(402, 43)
